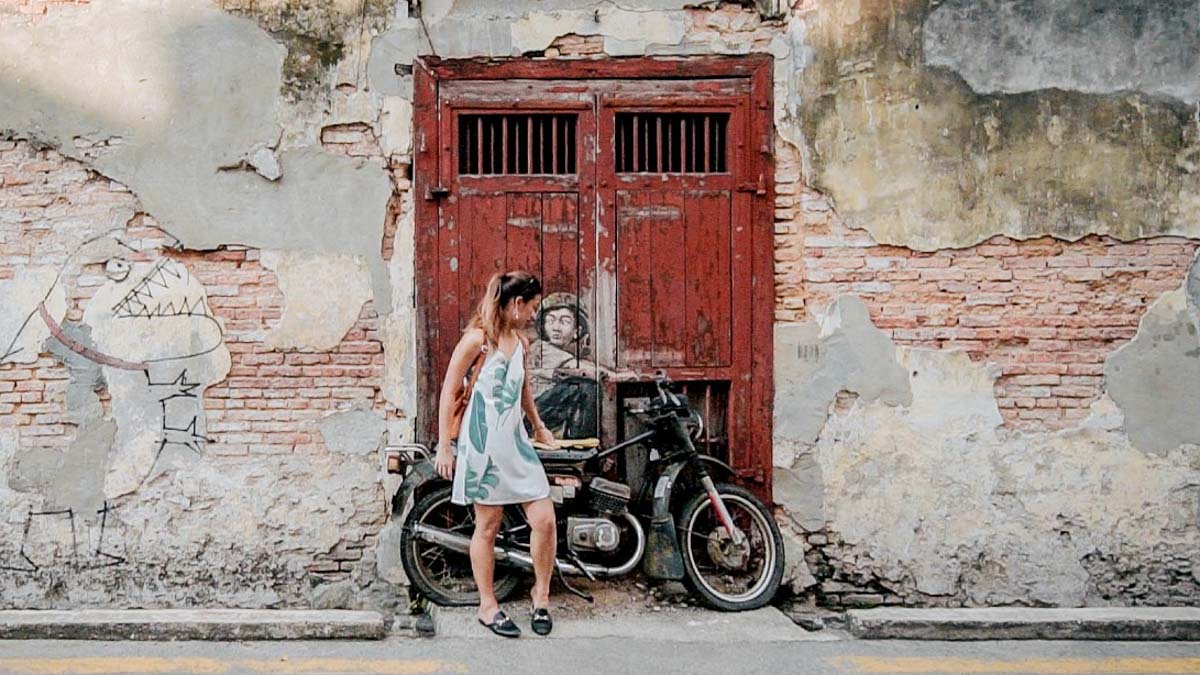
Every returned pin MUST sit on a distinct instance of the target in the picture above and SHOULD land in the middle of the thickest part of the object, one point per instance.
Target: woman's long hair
(502, 289)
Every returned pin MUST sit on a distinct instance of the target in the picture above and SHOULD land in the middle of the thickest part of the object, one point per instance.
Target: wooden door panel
(523, 232)
(708, 314)
(673, 285)
(482, 234)
(635, 265)
(560, 242)
(668, 279)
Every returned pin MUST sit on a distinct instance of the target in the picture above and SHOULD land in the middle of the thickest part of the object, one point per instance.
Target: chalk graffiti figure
(147, 337)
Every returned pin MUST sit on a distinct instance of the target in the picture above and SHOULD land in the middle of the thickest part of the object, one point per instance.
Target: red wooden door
(643, 205)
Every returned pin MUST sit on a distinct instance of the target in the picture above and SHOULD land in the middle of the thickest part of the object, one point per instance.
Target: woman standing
(494, 463)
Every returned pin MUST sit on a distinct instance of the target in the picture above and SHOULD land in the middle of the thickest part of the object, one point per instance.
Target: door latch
(759, 188)
(436, 192)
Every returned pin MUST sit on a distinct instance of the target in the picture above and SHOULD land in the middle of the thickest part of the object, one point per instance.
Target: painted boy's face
(559, 325)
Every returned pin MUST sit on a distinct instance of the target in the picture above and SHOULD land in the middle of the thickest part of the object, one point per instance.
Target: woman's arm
(464, 354)
(529, 406)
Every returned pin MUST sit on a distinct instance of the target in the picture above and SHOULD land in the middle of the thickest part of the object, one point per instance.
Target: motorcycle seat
(568, 450)
(568, 443)
(566, 455)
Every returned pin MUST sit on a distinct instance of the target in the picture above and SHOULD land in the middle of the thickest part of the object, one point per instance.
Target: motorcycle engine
(592, 534)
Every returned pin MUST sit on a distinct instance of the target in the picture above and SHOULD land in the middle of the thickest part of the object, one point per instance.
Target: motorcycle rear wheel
(725, 576)
(442, 575)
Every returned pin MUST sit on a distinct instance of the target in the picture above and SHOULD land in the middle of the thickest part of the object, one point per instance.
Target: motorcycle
(717, 537)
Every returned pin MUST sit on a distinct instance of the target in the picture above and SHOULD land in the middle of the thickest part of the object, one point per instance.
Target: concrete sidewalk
(676, 625)
(189, 624)
(672, 624)
(1022, 623)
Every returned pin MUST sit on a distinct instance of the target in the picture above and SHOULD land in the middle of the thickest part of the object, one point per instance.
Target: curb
(187, 624)
(1020, 623)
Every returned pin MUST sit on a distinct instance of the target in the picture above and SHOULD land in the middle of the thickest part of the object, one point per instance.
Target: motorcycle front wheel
(726, 575)
(442, 575)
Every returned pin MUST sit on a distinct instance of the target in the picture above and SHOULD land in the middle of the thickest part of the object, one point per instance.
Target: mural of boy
(564, 381)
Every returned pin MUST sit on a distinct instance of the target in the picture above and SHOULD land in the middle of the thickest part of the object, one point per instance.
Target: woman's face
(521, 311)
(559, 326)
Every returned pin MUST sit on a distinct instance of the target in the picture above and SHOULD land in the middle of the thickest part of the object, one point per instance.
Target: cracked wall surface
(912, 153)
(191, 93)
(987, 305)
(930, 501)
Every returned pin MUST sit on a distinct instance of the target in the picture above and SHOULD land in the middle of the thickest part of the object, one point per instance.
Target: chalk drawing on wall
(155, 346)
(564, 382)
(99, 556)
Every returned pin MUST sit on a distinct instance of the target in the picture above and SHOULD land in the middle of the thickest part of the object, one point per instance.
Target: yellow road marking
(401, 667)
(1058, 666)
(149, 664)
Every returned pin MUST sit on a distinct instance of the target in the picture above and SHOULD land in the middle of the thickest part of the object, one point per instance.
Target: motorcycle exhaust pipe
(462, 544)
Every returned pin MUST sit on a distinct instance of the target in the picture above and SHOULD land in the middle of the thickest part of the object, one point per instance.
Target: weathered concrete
(1155, 378)
(840, 350)
(1093, 46)
(911, 153)
(1026, 623)
(72, 478)
(22, 332)
(188, 624)
(323, 296)
(684, 625)
(930, 497)
(357, 432)
(189, 91)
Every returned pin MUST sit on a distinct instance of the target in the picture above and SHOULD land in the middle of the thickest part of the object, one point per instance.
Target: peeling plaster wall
(192, 95)
(260, 153)
(912, 153)
(200, 393)
(929, 501)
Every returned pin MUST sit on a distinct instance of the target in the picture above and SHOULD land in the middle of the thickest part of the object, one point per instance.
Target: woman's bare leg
(483, 557)
(543, 540)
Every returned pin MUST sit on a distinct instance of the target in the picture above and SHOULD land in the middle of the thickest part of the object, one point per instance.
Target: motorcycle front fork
(722, 512)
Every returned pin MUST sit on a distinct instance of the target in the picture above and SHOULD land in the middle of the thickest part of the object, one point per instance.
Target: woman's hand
(542, 435)
(443, 461)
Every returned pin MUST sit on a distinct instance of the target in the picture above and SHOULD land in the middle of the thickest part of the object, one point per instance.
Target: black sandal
(540, 621)
(501, 625)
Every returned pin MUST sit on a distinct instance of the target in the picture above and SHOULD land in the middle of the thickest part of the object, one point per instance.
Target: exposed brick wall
(1048, 312)
(270, 401)
(48, 206)
(576, 45)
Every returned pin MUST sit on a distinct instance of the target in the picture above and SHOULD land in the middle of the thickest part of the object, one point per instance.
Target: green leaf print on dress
(506, 393)
(479, 486)
(477, 427)
(524, 448)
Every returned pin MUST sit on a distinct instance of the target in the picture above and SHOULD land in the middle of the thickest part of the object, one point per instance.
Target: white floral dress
(495, 461)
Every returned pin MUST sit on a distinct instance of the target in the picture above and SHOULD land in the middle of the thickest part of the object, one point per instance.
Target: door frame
(753, 466)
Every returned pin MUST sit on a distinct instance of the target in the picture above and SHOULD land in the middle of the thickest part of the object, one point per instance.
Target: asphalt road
(539, 656)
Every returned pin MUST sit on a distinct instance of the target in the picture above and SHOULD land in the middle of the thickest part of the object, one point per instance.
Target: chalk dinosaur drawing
(152, 335)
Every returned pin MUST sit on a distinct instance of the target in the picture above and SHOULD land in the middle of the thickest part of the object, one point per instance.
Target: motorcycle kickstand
(575, 591)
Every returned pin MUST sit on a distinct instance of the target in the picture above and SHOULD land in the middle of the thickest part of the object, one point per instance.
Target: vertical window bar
(572, 144)
(478, 145)
(683, 143)
(705, 156)
(554, 166)
(659, 133)
(528, 145)
(636, 155)
(503, 146)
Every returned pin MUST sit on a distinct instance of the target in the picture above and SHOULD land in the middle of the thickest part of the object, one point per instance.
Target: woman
(495, 464)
